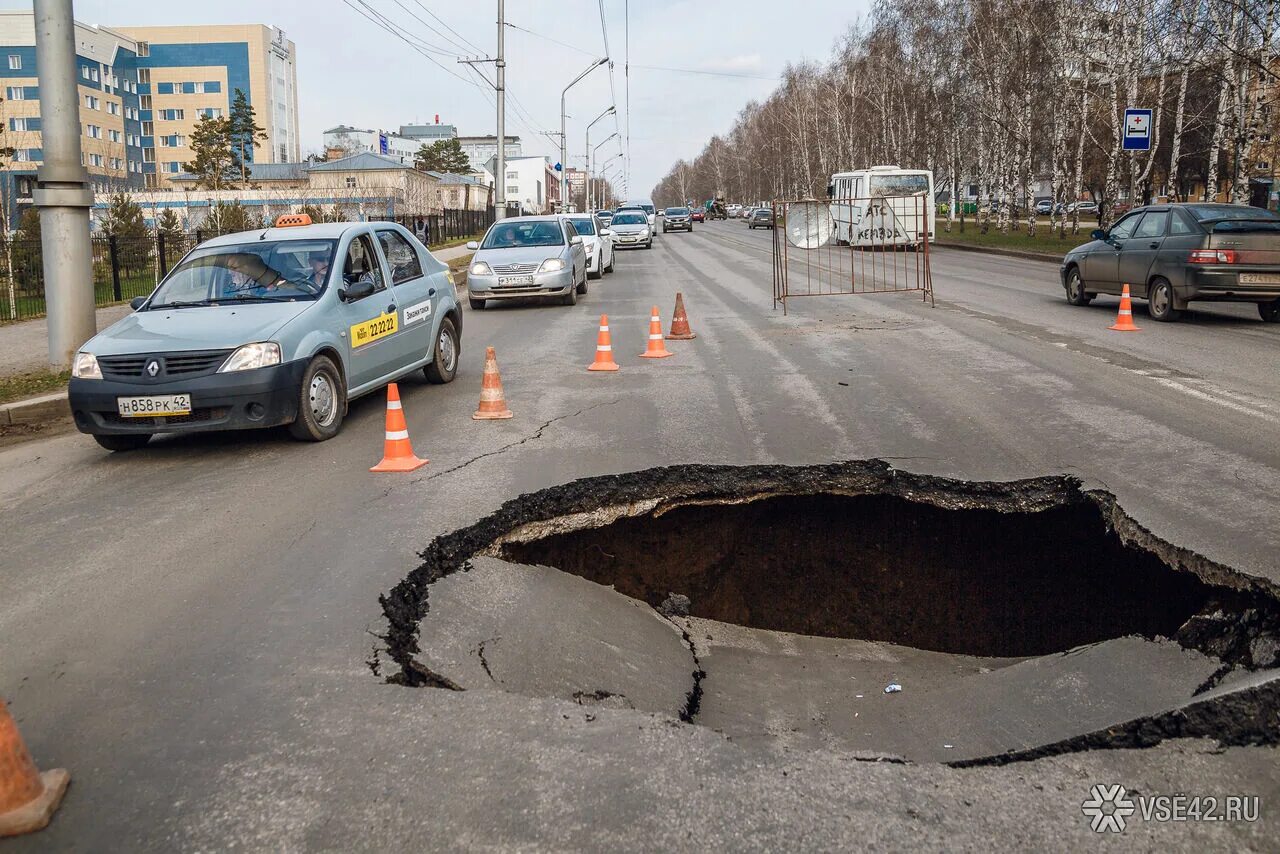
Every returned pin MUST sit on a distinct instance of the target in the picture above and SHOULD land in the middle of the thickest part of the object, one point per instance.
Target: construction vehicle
(716, 208)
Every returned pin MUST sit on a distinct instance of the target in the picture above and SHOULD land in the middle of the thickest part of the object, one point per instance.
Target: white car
(734, 211)
(597, 240)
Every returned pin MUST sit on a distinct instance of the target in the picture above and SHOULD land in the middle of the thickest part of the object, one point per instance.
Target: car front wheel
(1270, 311)
(322, 402)
(444, 361)
(1076, 294)
(1160, 302)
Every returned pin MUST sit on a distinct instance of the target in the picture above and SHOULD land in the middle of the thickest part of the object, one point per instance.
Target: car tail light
(1212, 256)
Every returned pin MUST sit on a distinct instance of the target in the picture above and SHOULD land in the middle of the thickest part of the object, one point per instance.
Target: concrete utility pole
(564, 150)
(62, 193)
(500, 180)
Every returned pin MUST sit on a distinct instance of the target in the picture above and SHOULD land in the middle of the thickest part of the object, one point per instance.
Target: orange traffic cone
(493, 403)
(28, 798)
(398, 454)
(655, 349)
(604, 349)
(1124, 320)
(680, 330)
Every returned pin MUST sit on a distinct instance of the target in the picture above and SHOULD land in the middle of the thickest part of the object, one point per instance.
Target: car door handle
(391, 308)
(1155, 245)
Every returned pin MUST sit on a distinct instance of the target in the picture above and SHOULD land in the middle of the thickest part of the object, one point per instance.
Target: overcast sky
(351, 71)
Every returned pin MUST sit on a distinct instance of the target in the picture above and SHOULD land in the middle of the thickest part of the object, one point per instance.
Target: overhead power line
(711, 73)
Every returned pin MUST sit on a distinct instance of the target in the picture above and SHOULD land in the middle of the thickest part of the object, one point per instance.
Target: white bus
(883, 206)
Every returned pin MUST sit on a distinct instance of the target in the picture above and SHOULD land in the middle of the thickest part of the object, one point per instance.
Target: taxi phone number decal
(372, 330)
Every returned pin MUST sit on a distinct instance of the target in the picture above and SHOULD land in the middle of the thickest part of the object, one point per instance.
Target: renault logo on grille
(153, 368)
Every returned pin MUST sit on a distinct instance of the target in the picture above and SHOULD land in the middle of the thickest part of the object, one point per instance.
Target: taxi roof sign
(292, 220)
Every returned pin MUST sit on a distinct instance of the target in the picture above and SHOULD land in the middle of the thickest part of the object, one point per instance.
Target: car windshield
(584, 226)
(507, 235)
(677, 211)
(899, 185)
(262, 271)
(1208, 212)
(630, 218)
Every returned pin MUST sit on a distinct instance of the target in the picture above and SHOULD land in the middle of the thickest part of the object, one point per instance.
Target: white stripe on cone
(603, 348)
(394, 404)
(655, 337)
(490, 394)
(397, 434)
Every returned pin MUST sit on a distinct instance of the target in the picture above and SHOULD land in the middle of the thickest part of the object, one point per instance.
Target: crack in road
(484, 662)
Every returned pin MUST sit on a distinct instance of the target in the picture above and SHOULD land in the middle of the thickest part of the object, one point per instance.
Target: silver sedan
(528, 256)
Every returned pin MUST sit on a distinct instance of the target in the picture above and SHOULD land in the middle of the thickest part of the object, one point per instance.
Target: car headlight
(86, 367)
(644, 232)
(480, 268)
(250, 356)
(551, 265)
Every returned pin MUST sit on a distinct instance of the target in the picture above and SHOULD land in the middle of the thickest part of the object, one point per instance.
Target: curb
(996, 250)
(35, 410)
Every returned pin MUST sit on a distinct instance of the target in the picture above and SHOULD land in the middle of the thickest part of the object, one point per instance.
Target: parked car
(597, 240)
(605, 217)
(528, 256)
(674, 219)
(650, 212)
(1084, 207)
(734, 211)
(631, 230)
(1044, 207)
(274, 327)
(1172, 254)
(697, 215)
(761, 218)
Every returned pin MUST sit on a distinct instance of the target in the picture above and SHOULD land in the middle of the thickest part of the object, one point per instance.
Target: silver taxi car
(264, 328)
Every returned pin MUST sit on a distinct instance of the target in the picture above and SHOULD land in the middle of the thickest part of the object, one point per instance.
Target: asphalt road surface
(186, 629)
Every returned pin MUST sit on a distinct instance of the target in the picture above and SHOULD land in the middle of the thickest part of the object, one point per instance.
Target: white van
(882, 206)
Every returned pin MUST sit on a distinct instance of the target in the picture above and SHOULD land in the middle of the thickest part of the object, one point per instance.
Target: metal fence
(852, 246)
(128, 267)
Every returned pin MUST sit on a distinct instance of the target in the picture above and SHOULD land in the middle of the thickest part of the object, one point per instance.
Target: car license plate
(1260, 278)
(155, 405)
(509, 281)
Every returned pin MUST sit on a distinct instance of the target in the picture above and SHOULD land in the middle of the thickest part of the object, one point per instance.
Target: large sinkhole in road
(788, 604)
(882, 567)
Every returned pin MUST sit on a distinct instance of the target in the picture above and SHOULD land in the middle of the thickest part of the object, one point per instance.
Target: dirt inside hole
(972, 581)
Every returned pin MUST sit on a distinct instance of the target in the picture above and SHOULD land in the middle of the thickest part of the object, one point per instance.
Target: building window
(15, 93)
(84, 72)
(144, 48)
(113, 135)
(15, 62)
(513, 175)
(173, 167)
(173, 115)
(212, 87)
(513, 190)
(148, 128)
(351, 182)
(21, 155)
(148, 155)
(95, 160)
(210, 112)
(93, 131)
(93, 74)
(91, 103)
(113, 108)
(164, 88)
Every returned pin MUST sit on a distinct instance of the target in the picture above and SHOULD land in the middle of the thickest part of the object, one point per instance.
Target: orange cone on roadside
(655, 349)
(604, 348)
(28, 798)
(1124, 320)
(493, 403)
(398, 453)
(680, 330)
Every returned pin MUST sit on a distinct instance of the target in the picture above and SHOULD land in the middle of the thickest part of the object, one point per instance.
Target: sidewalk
(24, 346)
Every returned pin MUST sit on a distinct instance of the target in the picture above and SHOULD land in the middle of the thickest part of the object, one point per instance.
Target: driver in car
(319, 269)
(250, 275)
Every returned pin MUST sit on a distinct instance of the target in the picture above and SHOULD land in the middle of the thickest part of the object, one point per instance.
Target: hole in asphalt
(777, 604)
(885, 568)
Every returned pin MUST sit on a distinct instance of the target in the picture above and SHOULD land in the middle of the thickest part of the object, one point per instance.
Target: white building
(354, 140)
(526, 182)
(481, 149)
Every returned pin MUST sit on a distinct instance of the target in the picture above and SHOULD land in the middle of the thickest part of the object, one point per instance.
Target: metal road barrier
(851, 246)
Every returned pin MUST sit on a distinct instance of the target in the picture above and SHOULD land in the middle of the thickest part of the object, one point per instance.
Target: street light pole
(586, 189)
(564, 151)
(591, 153)
(62, 190)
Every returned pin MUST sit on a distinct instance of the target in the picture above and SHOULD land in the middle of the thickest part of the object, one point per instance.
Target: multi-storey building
(142, 90)
(480, 149)
(352, 140)
(188, 72)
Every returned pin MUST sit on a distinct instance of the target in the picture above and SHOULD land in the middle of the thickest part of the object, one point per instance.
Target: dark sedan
(760, 218)
(1172, 254)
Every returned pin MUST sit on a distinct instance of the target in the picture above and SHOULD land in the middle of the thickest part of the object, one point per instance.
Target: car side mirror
(362, 288)
(473, 245)
(137, 303)
(606, 232)
(576, 240)
(1098, 234)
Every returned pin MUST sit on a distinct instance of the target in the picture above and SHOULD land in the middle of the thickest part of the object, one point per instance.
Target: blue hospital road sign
(1137, 130)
